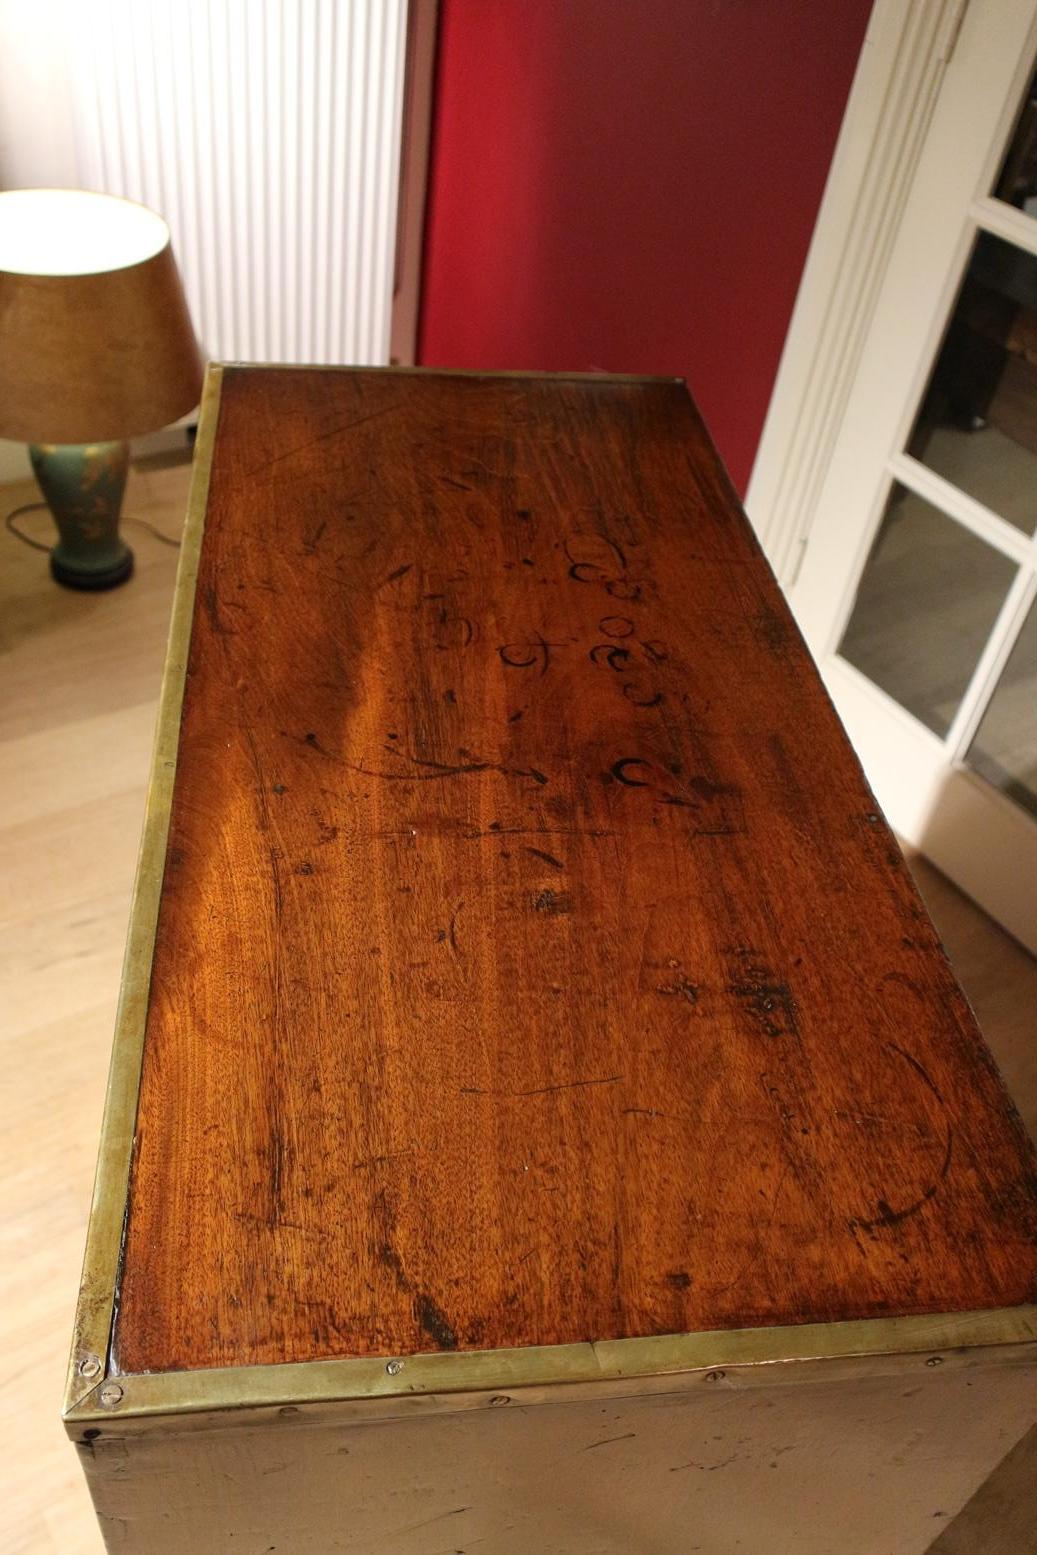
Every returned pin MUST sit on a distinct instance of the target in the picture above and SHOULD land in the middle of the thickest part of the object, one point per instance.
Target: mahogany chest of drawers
(542, 1119)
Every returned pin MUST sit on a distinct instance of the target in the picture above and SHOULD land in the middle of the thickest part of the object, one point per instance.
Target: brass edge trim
(438, 1379)
(452, 372)
(101, 1258)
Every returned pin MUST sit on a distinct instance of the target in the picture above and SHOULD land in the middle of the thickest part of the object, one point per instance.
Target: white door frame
(906, 49)
(820, 444)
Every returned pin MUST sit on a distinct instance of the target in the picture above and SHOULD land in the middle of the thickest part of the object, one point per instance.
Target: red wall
(631, 185)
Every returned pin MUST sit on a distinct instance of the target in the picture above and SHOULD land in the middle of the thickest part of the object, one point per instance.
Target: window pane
(1005, 748)
(978, 423)
(927, 599)
(1017, 180)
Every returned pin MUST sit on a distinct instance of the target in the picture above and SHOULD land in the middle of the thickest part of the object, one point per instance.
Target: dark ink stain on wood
(552, 902)
(621, 771)
(327, 833)
(391, 1259)
(278, 788)
(440, 770)
(611, 654)
(311, 542)
(888, 1216)
(453, 632)
(400, 572)
(548, 858)
(527, 655)
(434, 1321)
(766, 998)
(773, 632)
(680, 988)
(379, 1160)
(314, 744)
(277, 1166)
(679, 1279)
(211, 604)
(616, 626)
(640, 697)
(708, 791)
(594, 550)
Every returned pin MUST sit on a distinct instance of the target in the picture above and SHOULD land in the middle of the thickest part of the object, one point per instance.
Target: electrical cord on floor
(39, 545)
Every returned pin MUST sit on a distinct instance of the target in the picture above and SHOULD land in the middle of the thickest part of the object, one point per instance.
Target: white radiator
(267, 132)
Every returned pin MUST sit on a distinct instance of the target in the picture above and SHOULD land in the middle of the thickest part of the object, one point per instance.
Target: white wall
(267, 132)
(37, 141)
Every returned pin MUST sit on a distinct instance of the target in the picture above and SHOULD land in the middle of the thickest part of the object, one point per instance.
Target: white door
(918, 588)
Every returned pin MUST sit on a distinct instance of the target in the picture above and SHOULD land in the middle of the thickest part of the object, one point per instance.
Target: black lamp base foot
(105, 578)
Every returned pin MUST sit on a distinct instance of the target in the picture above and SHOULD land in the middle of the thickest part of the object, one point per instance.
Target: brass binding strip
(459, 1379)
(495, 373)
(96, 1305)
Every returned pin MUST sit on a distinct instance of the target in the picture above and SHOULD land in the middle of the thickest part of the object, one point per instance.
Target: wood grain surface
(533, 963)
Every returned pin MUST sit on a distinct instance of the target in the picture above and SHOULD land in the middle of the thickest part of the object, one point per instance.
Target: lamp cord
(39, 545)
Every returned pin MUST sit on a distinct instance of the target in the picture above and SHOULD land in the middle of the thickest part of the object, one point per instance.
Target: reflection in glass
(1017, 180)
(928, 597)
(978, 423)
(1005, 748)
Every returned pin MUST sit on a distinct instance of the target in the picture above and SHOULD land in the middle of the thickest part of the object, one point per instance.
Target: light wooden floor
(79, 677)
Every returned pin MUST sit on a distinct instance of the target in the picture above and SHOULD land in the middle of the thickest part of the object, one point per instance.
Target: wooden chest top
(532, 962)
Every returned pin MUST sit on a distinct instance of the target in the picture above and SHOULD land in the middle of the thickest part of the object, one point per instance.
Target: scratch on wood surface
(452, 931)
(548, 858)
(541, 1090)
(413, 1527)
(320, 437)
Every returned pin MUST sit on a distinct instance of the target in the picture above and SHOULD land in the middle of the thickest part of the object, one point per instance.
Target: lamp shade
(96, 342)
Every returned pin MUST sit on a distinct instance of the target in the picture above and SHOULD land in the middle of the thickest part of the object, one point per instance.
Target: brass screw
(111, 1394)
(89, 1366)
(394, 1368)
(935, 1360)
(500, 1398)
(714, 1376)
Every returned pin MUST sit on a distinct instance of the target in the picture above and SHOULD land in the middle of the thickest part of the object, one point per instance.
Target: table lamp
(96, 346)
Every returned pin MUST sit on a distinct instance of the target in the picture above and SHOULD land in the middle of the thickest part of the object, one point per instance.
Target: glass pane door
(944, 620)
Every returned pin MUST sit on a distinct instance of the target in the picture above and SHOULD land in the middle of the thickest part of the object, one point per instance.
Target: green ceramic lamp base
(83, 484)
